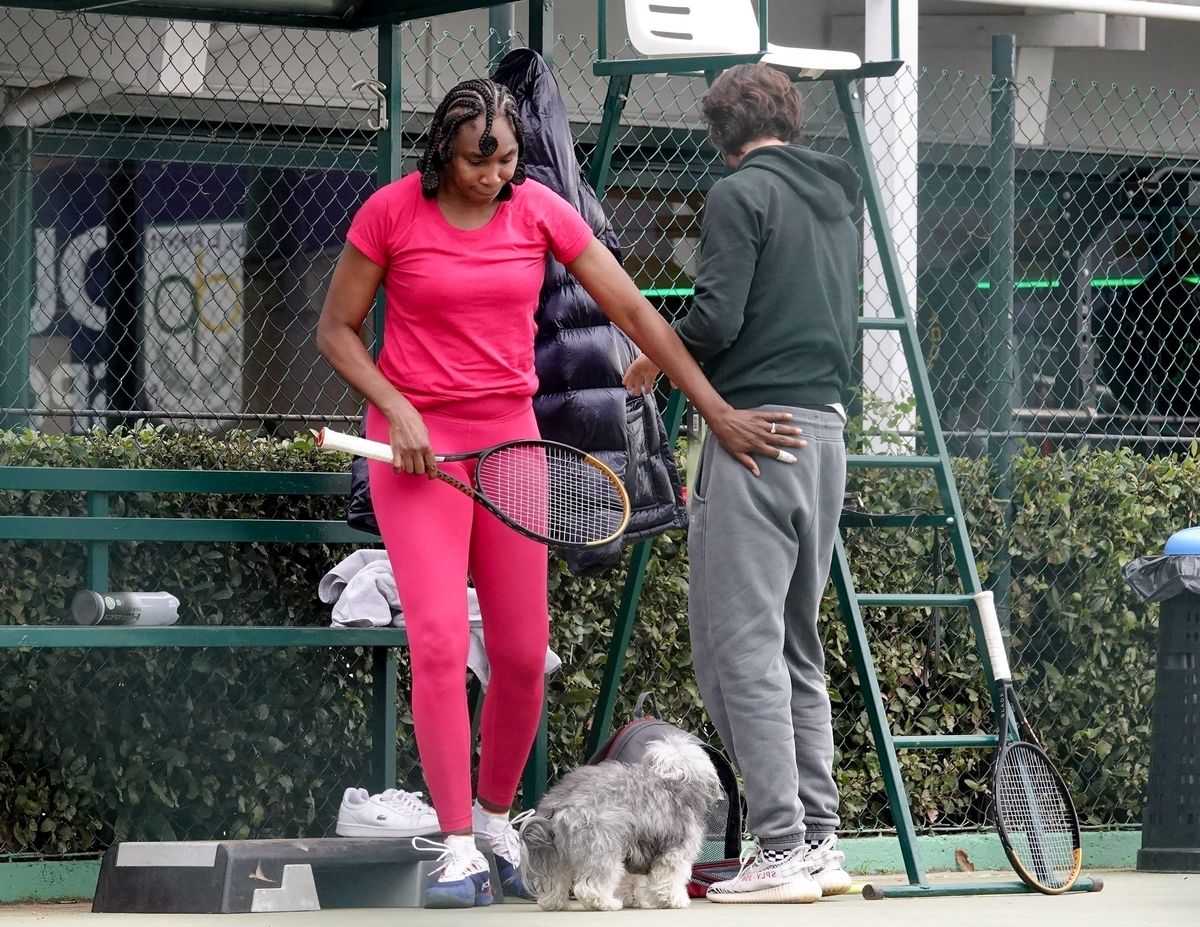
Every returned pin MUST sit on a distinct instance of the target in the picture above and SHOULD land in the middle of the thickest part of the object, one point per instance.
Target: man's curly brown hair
(748, 102)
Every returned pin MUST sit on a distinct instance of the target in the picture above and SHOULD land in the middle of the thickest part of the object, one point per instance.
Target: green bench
(99, 529)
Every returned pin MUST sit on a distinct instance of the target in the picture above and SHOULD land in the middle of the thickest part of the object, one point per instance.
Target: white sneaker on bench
(393, 813)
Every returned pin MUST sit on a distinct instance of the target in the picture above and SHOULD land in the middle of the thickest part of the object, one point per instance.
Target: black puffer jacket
(580, 355)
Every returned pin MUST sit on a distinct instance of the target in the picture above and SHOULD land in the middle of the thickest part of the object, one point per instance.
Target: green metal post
(601, 29)
(534, 779)
(501, 25)
(868, 685)
(598, 170)
(614, 664)
(96, 575)
(389, 141)
(16, 273)
(389, 160)
(610, 124)
(895, 15)
(999, 329)
(541, 29)
(998, 336)
(383, 718)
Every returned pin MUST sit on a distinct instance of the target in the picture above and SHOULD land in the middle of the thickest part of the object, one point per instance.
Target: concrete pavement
(1129, 899)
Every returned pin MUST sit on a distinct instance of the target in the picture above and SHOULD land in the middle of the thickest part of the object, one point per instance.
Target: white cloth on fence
(362, 591)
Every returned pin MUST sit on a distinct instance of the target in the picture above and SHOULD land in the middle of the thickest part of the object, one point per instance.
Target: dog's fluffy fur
(621, 834)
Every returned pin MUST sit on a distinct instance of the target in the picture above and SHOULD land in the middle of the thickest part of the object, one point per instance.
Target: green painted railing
(98, 530)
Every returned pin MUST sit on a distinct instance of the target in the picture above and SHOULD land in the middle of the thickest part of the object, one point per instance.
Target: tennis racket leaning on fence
(550, 492)
(1035, 816)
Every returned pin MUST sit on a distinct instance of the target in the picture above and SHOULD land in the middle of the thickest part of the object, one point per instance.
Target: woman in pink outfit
(460, 249)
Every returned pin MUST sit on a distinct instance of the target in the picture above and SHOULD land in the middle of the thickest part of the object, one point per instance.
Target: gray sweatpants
(760, 551)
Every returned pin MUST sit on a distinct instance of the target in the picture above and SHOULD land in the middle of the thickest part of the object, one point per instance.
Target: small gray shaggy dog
(622, 834)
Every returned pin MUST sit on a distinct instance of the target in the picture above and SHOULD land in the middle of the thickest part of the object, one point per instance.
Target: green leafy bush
(98, 746)
(1082, 646)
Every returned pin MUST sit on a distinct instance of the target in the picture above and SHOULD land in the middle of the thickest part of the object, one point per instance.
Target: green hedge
(96, 746)
(1083, 646)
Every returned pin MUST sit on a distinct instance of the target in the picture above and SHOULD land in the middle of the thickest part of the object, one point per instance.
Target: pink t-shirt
(460, 304)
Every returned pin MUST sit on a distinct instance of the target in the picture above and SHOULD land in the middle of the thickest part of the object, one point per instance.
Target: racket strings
(553, 492)
(1036, 817)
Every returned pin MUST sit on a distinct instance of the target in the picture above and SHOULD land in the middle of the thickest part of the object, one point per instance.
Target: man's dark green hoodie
(774, 316)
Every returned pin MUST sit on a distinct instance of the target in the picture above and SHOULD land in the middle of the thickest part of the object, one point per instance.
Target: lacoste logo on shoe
(381, 817)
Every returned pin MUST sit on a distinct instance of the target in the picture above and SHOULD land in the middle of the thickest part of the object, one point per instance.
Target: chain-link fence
(173, 197)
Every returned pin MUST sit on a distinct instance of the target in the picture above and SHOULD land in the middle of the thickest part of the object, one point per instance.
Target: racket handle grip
(330, 440)
(985, 603)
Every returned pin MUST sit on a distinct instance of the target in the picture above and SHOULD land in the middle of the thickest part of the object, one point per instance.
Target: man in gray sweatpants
(773, 323)
(759, 550)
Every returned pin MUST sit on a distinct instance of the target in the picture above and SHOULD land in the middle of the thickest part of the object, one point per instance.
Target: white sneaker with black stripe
(762, 881)
(825, 862)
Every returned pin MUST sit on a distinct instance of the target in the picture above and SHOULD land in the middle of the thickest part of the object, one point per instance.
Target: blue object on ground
(1186, 541)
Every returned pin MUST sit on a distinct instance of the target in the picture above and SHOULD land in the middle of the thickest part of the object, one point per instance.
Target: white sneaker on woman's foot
(825, 863)
(463, 880)
(784, 881)
(501, 832)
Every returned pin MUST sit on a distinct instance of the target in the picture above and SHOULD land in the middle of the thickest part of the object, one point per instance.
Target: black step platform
(243, 876)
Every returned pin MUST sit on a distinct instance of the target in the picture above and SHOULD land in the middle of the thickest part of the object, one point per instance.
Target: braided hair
(465, 102)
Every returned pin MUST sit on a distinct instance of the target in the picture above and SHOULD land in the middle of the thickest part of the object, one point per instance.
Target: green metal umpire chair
(704, 37)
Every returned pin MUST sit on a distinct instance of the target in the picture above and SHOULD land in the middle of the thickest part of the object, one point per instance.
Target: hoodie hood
(827, 183)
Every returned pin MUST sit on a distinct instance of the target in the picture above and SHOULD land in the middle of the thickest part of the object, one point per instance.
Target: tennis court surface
(1136, 899)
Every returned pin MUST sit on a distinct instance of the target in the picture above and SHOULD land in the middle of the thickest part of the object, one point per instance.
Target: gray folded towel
(362, 591)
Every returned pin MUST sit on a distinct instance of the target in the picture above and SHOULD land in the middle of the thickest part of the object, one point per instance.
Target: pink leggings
(434, 534)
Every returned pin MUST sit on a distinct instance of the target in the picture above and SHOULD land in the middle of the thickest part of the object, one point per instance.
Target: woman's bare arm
(356, 278)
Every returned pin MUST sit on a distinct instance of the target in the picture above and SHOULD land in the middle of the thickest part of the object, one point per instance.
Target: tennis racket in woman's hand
(1036, 819)
(550, 492)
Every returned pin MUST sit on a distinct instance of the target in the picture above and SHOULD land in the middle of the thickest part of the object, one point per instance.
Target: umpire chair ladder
(620, 72)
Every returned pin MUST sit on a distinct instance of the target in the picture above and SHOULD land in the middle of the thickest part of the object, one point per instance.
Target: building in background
(189, 186)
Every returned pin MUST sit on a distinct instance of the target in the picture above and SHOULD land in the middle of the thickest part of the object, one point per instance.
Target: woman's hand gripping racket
(1035, 816)
(550, 492)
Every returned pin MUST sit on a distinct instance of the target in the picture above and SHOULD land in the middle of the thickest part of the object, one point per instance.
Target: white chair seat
(698, 28)
(810, 62)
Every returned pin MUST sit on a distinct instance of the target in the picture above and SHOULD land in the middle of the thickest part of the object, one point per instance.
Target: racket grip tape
(985, 602)
(330, 440)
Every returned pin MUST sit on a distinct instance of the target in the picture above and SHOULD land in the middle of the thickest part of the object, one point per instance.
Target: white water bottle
(139, 608)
